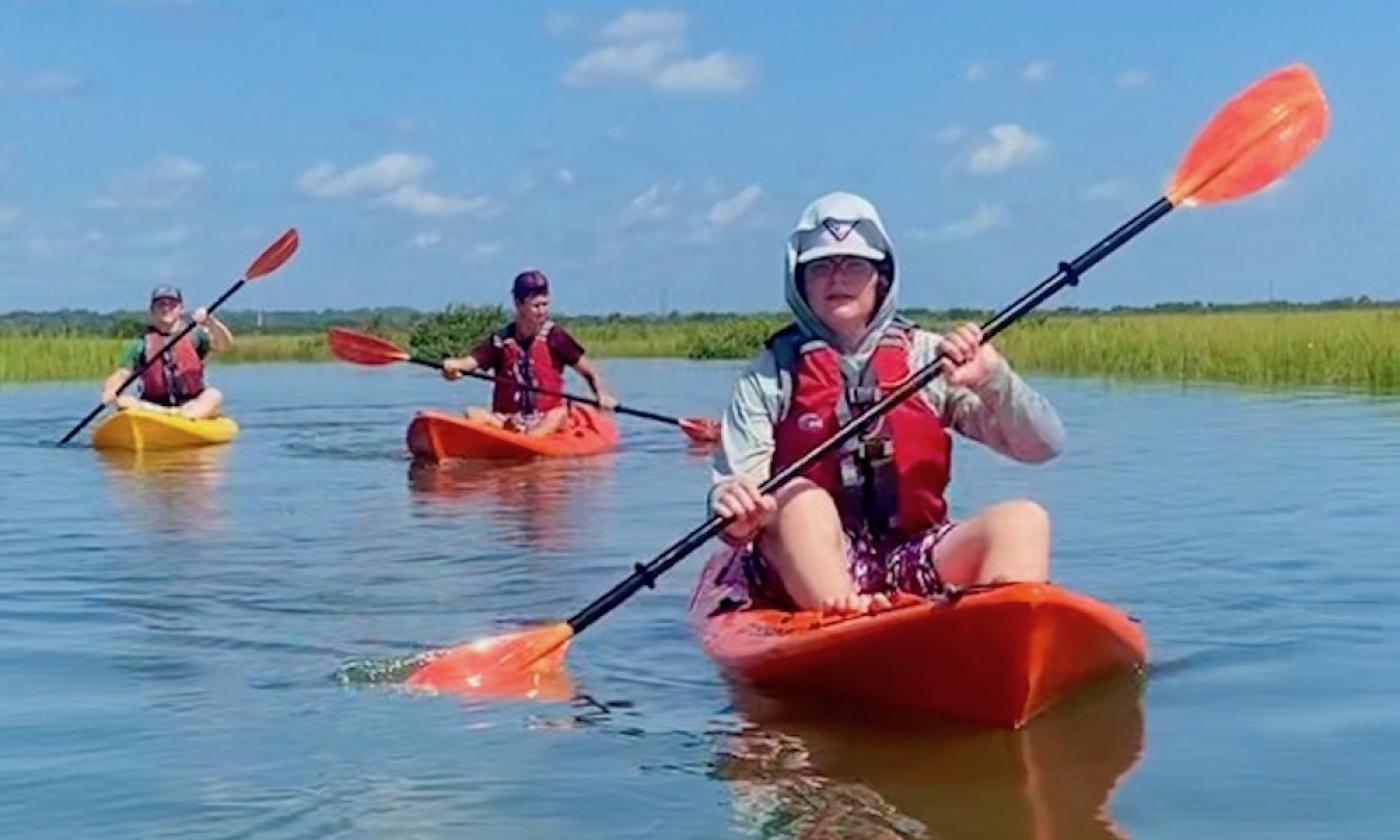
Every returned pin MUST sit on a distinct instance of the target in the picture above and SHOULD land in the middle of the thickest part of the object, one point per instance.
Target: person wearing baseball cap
(174, 382)
(869, 520)
(529, 353)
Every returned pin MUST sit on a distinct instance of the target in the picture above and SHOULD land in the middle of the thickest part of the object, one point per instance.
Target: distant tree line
(452, 325)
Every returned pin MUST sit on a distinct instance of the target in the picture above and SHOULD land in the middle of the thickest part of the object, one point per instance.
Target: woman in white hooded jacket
(869, 520)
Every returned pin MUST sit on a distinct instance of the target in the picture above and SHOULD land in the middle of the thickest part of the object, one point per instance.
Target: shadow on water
(540, 504)
(178, 490)
(798, 773)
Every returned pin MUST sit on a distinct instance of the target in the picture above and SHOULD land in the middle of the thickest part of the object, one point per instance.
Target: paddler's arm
(131, 357)
(1002, 412)
(482, 357)
(746, 433)
(220, 337)
(112, 383)
(459, 367)
(590, 374)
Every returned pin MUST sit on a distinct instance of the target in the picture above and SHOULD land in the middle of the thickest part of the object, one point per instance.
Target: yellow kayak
(137, 430)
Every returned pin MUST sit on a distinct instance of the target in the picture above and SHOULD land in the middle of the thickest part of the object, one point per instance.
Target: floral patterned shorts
(739, 578)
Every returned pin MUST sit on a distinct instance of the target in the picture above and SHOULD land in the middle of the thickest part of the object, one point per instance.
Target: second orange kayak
(437, 436)
(993, 657)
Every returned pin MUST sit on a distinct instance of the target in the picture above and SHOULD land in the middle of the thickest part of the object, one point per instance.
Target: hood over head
(841, 223)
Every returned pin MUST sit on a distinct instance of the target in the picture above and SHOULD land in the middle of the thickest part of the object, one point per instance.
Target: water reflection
(796, 774)
(540, 504)
(174, 491)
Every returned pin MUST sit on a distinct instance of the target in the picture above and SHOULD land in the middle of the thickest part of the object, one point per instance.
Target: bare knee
(1024, 517)
(803, 509)
(802, 498)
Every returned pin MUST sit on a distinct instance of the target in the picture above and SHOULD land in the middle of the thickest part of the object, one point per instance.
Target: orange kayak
(436, 436)
(996, 656)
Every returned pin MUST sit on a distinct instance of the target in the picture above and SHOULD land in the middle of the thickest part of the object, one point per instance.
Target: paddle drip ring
(1071, 275)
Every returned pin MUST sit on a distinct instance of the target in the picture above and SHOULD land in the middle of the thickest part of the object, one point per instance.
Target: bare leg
(1009, 541)
(205, 405)
(552, 421)
(484, 417)
(807, 548)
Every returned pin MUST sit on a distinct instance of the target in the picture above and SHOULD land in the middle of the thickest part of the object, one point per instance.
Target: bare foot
(855, 604)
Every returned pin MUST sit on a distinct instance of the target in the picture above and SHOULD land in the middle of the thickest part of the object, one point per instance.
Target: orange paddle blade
(1253, 140)
(363, 348)
(701, 429)
(526, 665)
(276, 254)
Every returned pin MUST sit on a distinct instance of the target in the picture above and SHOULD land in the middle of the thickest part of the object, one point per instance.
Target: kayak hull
(136, 430)
(994, 657)
(437, 436)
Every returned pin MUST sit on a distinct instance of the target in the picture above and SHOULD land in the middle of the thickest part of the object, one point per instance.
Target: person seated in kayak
(870, 519)
(174, 382)
(529, 353)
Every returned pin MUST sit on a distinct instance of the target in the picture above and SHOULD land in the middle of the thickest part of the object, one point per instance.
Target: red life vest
(517, 366)
(892, 477)
(174, 377)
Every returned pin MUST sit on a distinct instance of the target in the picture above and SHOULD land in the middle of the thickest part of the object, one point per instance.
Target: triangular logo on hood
(838, 228)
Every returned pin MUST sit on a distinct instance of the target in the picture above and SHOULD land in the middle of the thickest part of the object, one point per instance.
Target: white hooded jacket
(1004, 412)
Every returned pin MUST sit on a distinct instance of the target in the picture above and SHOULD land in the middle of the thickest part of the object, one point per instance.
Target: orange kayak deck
(437, 436)
(994, 657)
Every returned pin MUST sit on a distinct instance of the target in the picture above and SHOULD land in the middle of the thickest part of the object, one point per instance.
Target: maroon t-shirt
(562, 346)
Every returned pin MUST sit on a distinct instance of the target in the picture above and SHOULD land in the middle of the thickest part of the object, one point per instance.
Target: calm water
(170, 631)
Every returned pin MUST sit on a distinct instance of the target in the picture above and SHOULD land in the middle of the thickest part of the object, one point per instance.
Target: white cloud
(413, 198)
(650, 205)
(525, 182)
(724, 212)
(642, 26)
(42, 244)
(164, 182)
(50, 83)
(616, 133)
(948, 135)
(155, 4)
(649, 48)
(718, 72)
(427, 239)
(9, 216)
(1037, 71)
(43, 83)
(619, 62)
(163, 239)
(565, 176)
(403, 124)
(383, 174)
(393, 180)
(1132, 79)
(484, 251)
(729, 210)
(557, 23)
(1005, 146)
(1106, 190)
(984, 218)
(976, 71)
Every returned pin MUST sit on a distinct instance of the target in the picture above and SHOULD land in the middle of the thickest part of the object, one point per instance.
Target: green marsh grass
(1354, 349)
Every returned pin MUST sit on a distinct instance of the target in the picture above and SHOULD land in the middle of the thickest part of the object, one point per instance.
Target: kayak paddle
(267, 262)
(364, 349)
(1252, 141)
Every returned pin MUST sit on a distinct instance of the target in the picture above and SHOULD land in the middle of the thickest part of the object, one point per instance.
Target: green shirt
(136, 350)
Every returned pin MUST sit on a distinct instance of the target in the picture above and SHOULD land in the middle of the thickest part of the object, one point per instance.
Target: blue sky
(650, 155)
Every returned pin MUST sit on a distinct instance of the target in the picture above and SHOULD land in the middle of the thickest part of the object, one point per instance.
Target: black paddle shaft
(1067, 274)
(620, 409)
(147, 362)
